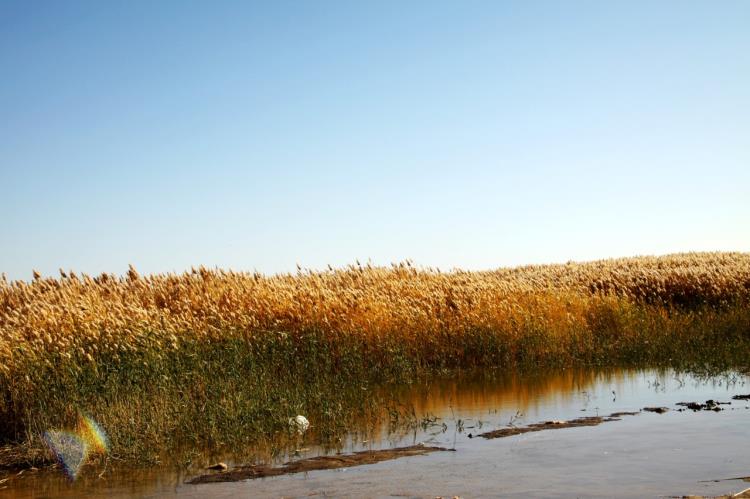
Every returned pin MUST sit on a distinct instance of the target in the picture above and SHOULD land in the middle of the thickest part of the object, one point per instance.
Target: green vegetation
(214, 359)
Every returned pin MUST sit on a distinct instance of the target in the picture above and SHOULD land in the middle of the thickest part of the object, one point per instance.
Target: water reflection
(651, 454)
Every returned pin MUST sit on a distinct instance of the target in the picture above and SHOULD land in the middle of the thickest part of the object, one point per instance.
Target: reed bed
(167, 359)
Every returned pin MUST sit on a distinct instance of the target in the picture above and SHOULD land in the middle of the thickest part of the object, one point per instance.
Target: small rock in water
(695, 406)
(218, 467)
(710, 405)
(658, 410)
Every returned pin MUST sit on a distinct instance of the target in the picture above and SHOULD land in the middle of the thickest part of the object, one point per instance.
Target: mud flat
(556, 425)
(250, 472)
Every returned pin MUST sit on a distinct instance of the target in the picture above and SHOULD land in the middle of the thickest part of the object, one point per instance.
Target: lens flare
(93, 435)
(72, 448)
(69, 449)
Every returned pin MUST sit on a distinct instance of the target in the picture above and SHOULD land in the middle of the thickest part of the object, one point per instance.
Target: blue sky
(457, 134)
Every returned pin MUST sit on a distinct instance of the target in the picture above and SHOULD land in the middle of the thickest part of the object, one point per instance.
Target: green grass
(239, 393)
(215, 360)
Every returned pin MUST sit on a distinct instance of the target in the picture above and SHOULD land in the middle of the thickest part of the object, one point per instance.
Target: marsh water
(679, 452)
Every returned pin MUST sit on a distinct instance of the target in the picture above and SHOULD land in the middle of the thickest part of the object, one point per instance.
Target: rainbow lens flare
(72, 448)
(94, 436)
(69, 449)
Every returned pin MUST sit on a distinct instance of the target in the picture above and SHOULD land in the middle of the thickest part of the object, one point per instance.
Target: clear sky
(457, 134)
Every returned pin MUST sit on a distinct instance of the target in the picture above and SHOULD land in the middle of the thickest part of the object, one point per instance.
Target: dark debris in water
(658, 410)
(555, 425)
(710, 405)
(253, 471)
(620, 414)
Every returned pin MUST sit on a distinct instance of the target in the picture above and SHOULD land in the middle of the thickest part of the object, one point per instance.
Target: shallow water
(646, 455)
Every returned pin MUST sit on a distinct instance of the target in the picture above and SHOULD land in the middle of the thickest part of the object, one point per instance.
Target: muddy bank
(709, 405)
(250, 472)
(555, 425)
